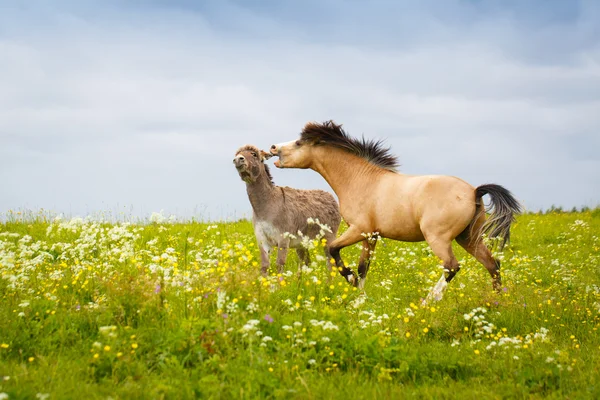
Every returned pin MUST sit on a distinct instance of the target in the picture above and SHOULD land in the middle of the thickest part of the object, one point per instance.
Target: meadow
(166, 309)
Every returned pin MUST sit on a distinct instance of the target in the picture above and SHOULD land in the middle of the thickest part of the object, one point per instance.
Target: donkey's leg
(303, 256)
(442, 248)
(282, 250)
(479, 250)
(368, 246)
(264, 259)
(351, 236)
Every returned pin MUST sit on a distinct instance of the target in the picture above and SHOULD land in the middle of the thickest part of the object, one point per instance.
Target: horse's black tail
(504, 208)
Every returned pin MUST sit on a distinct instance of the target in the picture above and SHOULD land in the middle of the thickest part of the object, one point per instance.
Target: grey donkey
(281, 214)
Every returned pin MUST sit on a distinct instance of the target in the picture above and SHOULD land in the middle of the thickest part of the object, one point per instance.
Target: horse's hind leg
(475, 246)
(479, 250)
(443, 249)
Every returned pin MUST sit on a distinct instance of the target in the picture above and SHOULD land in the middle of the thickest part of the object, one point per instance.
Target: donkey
(376, 199)
(282, 216)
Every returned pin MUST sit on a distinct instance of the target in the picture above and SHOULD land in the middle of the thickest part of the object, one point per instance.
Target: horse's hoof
(361, 284)
(352, 280)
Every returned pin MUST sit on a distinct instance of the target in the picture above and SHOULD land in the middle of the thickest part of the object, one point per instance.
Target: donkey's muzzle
(239, 161)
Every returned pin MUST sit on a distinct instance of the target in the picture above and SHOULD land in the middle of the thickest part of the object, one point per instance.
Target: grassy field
(91, 309)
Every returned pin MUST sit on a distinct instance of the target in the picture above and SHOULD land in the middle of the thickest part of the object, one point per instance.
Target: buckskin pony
(378, 201)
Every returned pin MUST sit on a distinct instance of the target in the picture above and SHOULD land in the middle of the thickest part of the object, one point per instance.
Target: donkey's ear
(265, 155)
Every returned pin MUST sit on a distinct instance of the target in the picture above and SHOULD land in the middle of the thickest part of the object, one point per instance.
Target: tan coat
(376, 199)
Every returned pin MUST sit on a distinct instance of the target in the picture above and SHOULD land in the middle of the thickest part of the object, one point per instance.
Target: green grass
(97, 310)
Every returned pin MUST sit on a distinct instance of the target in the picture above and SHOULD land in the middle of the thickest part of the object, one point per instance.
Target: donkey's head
(249, 162)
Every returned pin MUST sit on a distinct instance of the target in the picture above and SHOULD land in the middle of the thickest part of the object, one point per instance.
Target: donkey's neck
(261, 193)
(347, 174)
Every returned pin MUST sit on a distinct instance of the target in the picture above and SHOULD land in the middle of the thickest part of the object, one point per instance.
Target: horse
(378, 201)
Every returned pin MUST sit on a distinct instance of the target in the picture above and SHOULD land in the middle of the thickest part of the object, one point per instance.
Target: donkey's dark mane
(330, 134)
(268, 172)
(255, 149)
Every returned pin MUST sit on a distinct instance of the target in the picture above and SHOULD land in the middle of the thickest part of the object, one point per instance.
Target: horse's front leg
(351, 236)
(368, 247)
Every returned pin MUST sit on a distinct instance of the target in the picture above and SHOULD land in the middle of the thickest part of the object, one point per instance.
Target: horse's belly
(399, 224)
(406, 235)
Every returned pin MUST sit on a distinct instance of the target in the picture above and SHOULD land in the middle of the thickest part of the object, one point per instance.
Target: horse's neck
(261, 193)
(347, 174)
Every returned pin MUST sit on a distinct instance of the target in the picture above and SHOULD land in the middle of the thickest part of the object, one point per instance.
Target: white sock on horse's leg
(439, 288)
(361, 283)
(437, 292)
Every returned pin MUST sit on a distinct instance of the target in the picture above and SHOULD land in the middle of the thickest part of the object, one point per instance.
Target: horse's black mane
(331, 134)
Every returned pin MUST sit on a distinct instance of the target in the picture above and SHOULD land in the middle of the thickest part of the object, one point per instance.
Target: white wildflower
(252, 307)
(250, 325)
(158, 217)
(221, 299)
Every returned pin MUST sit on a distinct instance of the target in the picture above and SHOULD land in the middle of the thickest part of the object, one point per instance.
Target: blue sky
(139, 106)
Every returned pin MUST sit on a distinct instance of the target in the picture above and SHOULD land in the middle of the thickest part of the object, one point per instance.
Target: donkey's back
(296, 216)
(305, 213)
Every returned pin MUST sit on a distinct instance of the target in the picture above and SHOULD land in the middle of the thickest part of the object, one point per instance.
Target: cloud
(127, 105)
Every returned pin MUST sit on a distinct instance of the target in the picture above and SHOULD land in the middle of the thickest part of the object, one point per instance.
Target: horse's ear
(264, 155)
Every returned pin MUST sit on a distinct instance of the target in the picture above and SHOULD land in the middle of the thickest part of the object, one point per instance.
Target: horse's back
(445, 204)
(410, 207)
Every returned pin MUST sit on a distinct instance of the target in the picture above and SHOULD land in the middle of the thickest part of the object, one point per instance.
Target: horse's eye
(298, 142)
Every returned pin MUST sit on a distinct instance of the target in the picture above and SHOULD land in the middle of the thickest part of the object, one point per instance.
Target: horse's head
(293, 154)
(249, 162)
(319, 141)
(300, 153)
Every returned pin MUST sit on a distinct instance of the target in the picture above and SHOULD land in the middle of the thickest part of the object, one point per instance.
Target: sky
(131, 106)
